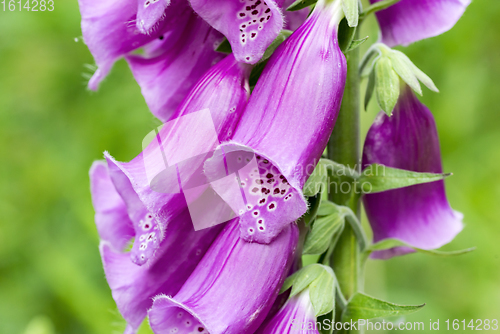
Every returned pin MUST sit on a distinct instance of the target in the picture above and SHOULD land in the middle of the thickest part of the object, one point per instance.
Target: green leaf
(404, 68)
(381, 178)
(356, 43)
(362, 306)
(351, 12)
(316, 180)
(387, 85)
(299, 4)
(378, 6)
(346, 35)
(320, 237)
(224, 47)
(391, 243)
(322, 292)
(370, 87)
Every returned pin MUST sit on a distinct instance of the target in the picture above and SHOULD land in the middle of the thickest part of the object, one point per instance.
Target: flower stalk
(344, 148)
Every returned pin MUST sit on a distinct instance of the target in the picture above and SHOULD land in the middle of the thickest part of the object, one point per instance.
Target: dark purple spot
(262, 201)
(253, 35)
(265, 161)
(244, 26)
(255, 20)
(254, 190)
(146, 226)
(243, 40)
(248, 8)
(276, 191)
(271, 206)
(150, 237)
(259, 181)
(267, 18)
(261, 228)
(267, 10)
(200, 329)
(242, 14)
(242, 35)
(258, 2)
(258, 157)
(269, 175)
(147, 3)
(283, 191)
(262, 19)
(255, 213)
(160, 38)
(264, 190)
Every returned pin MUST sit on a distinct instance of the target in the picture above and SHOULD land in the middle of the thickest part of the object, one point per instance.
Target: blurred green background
(52, 128)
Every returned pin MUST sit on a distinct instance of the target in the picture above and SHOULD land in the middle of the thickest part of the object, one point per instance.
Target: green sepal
(345, 35)
(393, 178)
(301, 279)
(357, 43)
(314, 203)
(362, 306)
(322, 292)
(370, 87)
(224, 47)
(351, 12)
(323, 230)
(403, 67)
(391, 243)
(299, 4)
(387, 85)
(327, 208)
(316, 180)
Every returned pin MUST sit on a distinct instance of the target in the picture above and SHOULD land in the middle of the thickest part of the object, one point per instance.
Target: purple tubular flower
(173, 64)
(133, 287)
(419, 215)
(287, 123)
(249, 25)
(223, 91)
(409, 21)
(109, 30)
(232, 288)
(296, 316)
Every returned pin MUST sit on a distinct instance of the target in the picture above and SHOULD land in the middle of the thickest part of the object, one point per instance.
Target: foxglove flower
(409, 21)
(231, 290)
(223, 93)
(287, 123)
(172, 66)
(133, 287)
(179, 46)
(296, 316)
(419, 215)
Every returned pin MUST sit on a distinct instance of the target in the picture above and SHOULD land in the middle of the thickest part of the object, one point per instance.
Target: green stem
(344, 148)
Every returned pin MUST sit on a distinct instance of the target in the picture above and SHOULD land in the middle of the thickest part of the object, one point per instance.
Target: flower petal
(250, 26)
(290, 117)
(233, 287)
(150, 13)
(409, 21)
(133, 287)
(111, 217)
(110, 32)
(173, 65)
(420, 215)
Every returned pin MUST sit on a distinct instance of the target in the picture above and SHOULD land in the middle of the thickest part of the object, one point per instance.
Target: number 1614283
(27, 5)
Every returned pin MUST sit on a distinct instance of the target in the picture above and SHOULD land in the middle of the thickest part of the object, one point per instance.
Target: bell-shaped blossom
(179, 47)
(171, 66)
(286, 125)
(249, 25)
(231, 290)
(206, 117)
(132, 286)
(409, 21)
(296, 316)
(419, 215)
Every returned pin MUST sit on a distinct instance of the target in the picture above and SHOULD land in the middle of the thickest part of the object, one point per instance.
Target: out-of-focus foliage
(52, 128)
